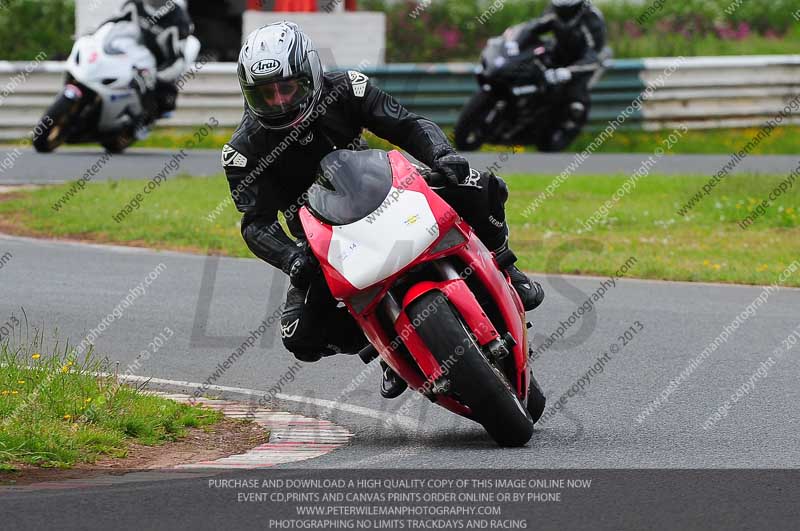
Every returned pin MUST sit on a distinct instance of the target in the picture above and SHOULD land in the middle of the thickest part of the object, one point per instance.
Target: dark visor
(278, 98)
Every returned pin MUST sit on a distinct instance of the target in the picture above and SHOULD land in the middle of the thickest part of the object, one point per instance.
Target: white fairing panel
(97, 68)
(383, 243)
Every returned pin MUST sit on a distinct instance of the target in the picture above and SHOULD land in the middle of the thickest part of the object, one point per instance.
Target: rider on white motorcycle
(165, 27)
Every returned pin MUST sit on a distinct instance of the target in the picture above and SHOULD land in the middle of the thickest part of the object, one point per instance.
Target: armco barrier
(704, 92)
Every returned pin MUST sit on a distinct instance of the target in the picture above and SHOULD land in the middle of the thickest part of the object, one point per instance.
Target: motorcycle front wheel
(51, 131)
(472, 379)
(471, 131)
(536, 400)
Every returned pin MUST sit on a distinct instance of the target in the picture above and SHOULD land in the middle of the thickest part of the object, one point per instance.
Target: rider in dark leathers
(165, 26)
(273, 158)
(580, 35)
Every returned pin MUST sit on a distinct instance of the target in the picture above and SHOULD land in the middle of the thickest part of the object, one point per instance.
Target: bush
(453, 30)
(32, 27)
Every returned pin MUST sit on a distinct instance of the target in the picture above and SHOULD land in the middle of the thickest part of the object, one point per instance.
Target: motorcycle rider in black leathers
(580, 35)
(295, 114)
(165, 26)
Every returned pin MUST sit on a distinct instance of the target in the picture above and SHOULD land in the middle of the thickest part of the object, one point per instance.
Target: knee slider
(301, 349)
(307, 356)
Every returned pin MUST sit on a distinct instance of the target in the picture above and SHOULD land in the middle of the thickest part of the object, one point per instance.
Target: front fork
(82, 98)
(496, 348)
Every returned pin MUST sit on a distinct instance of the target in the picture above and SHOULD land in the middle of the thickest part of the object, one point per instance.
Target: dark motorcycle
(515, 104)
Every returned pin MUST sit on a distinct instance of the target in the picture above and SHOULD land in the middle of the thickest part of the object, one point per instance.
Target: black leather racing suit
(164, 34)
(580, 44)
(269, 172)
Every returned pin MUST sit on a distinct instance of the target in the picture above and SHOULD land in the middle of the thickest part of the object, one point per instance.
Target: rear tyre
(473, 380)
(470, 131)
(555, 138)
(119, 143)
(555, 141)
(51, 131)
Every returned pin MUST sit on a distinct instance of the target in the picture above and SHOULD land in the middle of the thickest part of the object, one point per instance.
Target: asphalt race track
(29, 167)
(212, 304)
(72, 287)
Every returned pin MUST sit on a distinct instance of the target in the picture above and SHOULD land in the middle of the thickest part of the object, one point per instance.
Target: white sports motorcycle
(107, 74)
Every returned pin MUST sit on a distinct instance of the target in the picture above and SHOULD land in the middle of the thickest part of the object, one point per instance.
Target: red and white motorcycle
(427, 293)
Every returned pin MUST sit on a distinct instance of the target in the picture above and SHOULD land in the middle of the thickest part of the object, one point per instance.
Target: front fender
(461, 297)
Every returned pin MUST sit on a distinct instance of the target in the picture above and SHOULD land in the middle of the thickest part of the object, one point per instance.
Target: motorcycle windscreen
(351, 185)
(387, 235)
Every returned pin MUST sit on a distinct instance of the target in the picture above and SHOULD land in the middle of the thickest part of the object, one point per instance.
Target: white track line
(402, 421)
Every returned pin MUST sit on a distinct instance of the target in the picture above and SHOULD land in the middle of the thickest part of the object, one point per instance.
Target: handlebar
(433, 178)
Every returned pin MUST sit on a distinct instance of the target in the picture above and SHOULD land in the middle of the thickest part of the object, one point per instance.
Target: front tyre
(51, 131)
(536, 400)
(471, 129)
(473, 381)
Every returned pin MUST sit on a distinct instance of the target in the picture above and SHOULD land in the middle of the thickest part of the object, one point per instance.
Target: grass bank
(706, 245)
(57, 412)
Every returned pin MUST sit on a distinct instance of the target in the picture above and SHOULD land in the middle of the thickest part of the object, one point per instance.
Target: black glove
(302, 268)
(453, 167)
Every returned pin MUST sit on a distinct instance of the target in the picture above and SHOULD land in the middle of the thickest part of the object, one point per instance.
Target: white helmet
(280, 74)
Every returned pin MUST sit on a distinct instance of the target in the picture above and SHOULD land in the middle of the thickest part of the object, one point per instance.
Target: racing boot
(529, 291)
(392, 385)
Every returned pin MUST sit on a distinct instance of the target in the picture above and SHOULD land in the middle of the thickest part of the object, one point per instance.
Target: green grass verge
(783, 141)
(707, 245)
(170, 138)
(56, 412)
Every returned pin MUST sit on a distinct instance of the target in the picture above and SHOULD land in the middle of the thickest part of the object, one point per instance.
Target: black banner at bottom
(516, 499)
(330, 499)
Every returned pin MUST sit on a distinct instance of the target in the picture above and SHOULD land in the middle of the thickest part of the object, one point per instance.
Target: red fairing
(405, 177)
(319, 239)
(482, 267)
